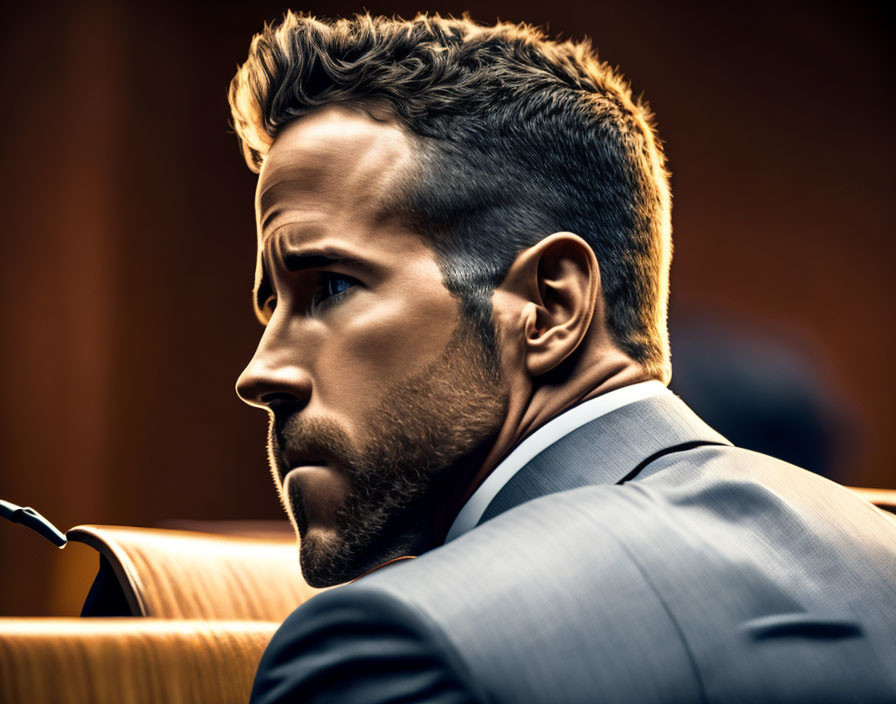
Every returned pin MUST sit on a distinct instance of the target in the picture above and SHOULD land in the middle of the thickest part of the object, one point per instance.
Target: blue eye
(330, 288)
(334, 285)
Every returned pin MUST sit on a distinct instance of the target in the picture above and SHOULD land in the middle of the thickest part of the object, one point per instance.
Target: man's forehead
(339, 158)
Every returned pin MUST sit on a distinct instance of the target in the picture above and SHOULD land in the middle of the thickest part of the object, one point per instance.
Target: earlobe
(559, 280)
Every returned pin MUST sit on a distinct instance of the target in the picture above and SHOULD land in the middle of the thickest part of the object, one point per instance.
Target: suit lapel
(611, 449)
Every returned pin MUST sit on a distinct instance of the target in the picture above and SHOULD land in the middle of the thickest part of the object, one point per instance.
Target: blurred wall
(127, 236)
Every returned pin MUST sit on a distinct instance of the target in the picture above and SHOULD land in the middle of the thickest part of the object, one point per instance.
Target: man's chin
(323, 556)
(329, 557)
(324, 564)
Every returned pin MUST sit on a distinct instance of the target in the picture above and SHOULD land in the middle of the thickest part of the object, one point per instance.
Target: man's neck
(530, 411)
(549, 434)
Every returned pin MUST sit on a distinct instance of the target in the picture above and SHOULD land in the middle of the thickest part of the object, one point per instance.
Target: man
(464, 242)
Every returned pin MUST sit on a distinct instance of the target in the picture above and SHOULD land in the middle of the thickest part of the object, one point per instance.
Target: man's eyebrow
(314, 258)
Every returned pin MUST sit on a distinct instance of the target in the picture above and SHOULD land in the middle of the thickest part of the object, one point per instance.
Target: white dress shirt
(542, 438)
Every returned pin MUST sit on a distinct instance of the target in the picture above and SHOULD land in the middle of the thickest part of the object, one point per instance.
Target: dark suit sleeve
(361, 646)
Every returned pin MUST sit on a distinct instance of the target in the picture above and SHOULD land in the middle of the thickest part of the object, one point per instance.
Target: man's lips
(315, 493)
(297, 464)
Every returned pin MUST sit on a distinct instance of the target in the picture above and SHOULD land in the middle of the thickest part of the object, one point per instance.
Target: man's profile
(464, 245)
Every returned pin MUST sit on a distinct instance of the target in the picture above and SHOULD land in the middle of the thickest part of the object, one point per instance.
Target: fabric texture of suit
(639, 559)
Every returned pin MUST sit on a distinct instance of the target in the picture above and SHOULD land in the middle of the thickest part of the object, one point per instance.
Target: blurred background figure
(763, 393)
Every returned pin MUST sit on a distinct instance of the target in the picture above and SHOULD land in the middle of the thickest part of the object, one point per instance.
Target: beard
(428, 430)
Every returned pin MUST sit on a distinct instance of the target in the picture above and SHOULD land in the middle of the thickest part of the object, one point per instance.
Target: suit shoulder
(361, 645)
(722, 558)
(536, 586)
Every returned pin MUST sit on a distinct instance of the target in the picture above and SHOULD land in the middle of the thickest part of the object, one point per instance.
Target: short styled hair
(517, 137)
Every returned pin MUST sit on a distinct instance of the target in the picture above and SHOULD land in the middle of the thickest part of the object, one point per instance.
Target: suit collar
(545, 436)
(609, 450)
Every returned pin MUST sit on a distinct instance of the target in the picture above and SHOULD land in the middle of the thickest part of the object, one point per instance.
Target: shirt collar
(544, 437)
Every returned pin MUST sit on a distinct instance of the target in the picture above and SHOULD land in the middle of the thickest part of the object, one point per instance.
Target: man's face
(379, 391)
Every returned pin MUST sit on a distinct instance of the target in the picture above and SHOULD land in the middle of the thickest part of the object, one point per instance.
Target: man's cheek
(393, 343)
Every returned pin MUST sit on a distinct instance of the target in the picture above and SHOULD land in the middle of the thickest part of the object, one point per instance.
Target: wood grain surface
(129, 661)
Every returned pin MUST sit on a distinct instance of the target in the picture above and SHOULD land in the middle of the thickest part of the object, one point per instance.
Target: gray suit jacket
(639, 559)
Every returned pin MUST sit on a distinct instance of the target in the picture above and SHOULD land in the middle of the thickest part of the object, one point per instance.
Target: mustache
(318, 438)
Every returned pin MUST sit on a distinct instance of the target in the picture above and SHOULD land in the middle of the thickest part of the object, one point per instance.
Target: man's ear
(558, 283)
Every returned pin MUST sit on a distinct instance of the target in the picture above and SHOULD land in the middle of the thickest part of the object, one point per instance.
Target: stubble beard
(429, 428)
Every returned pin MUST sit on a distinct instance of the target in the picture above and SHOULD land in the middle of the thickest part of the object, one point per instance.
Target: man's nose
(273, 375)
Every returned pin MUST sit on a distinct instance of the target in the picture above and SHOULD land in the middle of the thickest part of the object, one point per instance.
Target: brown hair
(519, 137)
